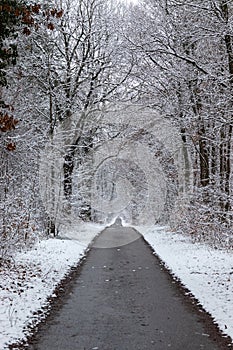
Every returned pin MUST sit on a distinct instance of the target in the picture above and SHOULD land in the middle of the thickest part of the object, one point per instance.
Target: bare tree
(185, 68)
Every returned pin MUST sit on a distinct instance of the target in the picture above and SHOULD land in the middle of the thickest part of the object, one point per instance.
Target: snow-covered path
(123, 299)
(24, 290)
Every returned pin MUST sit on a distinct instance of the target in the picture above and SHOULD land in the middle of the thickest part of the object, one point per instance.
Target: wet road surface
(123, 300)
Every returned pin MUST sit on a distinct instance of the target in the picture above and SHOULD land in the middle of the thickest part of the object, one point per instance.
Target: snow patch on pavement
(26, 286)
(206, 272)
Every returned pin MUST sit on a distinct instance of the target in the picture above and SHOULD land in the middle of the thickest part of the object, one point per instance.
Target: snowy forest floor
(27, 286)
(207, 273)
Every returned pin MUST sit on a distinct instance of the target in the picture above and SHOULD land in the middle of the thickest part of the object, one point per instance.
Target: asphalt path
(123, 299)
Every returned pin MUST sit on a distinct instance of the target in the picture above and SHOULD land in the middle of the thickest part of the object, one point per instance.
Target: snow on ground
(206, 272)
(25, 287)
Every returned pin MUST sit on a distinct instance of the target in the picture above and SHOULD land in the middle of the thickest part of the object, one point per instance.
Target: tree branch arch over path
(133, 147)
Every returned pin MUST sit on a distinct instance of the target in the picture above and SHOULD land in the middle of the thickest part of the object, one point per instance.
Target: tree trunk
(84, 144)
(51, 227)
(225, 167)
(68, 168)
(225, 154)
(203, 156)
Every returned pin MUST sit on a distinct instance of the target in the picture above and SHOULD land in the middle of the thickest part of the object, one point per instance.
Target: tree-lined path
(124, 300)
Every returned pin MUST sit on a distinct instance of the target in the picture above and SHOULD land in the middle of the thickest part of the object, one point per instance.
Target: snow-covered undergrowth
(26, 286)
(206, 272)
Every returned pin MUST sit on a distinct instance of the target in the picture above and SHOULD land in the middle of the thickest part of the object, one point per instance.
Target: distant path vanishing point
(124, 299)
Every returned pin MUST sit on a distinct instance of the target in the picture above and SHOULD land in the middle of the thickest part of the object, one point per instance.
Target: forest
(68, 68)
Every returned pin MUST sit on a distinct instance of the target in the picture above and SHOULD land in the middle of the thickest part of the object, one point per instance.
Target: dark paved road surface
(124, 300)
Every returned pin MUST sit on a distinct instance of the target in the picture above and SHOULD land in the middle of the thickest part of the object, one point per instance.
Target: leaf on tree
(26, 31)
(17, 12)
(7, 122)
(53, 12)
(11, 146)
(28, 19)
(36, 8)
(50, 26)
(59, 14)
